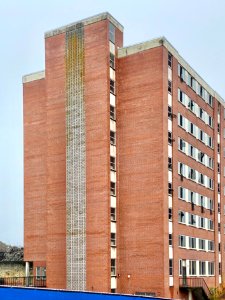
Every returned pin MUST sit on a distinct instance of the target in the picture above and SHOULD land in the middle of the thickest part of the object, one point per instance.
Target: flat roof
(33, 76)
(162, 41)
(86, 21)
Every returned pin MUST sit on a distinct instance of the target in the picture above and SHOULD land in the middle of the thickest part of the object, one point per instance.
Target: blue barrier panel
(16, 293)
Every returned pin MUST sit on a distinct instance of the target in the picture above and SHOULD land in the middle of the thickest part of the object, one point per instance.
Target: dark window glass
(113, 188)
(112, 60)
(111, 33)
(112, 138)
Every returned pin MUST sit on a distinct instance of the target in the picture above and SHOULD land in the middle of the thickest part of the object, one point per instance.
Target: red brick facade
(143, 252)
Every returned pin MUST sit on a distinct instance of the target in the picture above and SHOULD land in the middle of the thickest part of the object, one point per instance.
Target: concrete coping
(33, 76)
(87, 21)
(162, 41)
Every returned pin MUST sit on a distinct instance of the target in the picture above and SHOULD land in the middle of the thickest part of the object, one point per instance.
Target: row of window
(195, 198)
(195, 153)
(195, 108)
(195, 243)
(195, 220)
(195, 131)
(197, 87)
(196, 176)
(196, 268)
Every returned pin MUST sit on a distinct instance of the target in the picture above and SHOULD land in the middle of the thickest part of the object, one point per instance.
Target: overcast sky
(195, 28)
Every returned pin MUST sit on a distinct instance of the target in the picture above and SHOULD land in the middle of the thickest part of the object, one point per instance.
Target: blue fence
(16, 293)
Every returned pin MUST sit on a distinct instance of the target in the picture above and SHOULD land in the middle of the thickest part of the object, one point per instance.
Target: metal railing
(33, 281)
(195, 282)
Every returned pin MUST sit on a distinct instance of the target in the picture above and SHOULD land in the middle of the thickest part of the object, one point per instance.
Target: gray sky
(195, 28)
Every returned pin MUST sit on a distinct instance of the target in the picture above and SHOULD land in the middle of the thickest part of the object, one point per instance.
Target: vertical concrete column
(189, 295)
(27, 269)
(27, 272)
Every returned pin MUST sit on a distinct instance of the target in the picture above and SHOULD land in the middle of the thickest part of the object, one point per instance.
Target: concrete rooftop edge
(87, 21)
(162, 41)
(33, 76)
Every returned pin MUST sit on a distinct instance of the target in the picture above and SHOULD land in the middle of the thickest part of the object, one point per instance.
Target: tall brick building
(123, 166)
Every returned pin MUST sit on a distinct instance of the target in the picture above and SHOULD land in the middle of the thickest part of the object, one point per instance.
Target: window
(170, 190)
(112, 112)
(113, 214)
(170, 112)
(113, 239)
(201, 136)
(113, 267)
(112, 138)
(220, 268)
(170, 163)
(191, 219)
(201, 222)
(192, 128)
(182, 241)
(170, 267)
(210, 183)
(40, 272)
(201, 156)
(192, 267)
(181, 169)
(112, 163)
(218, 167)
(169, 86)
(170, 239)
(202, 201)
(210, 141)
(210, 121)
(202, 268)
(112, 60)
(218, 148)
(170, 214)
(112, 86)
(192, 174)
(170, 139)
(219, 227)
(181, 217)
(181, 145)
(201, 244)
(210, 162)
(218, 187)
(180, 120)
(210, 204)
(113, 188)
(191, 151)
(181, 96)
(191, 105)
(170, 59)
(181, 72)
(191, 197)
(113, 291)
(218, 128)
(111, 33)
(181, 192)
(211, 268)
(210, 245)
(201, 112)
(210, 224)
(201, 178)
(210, 100)
(192, 242)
